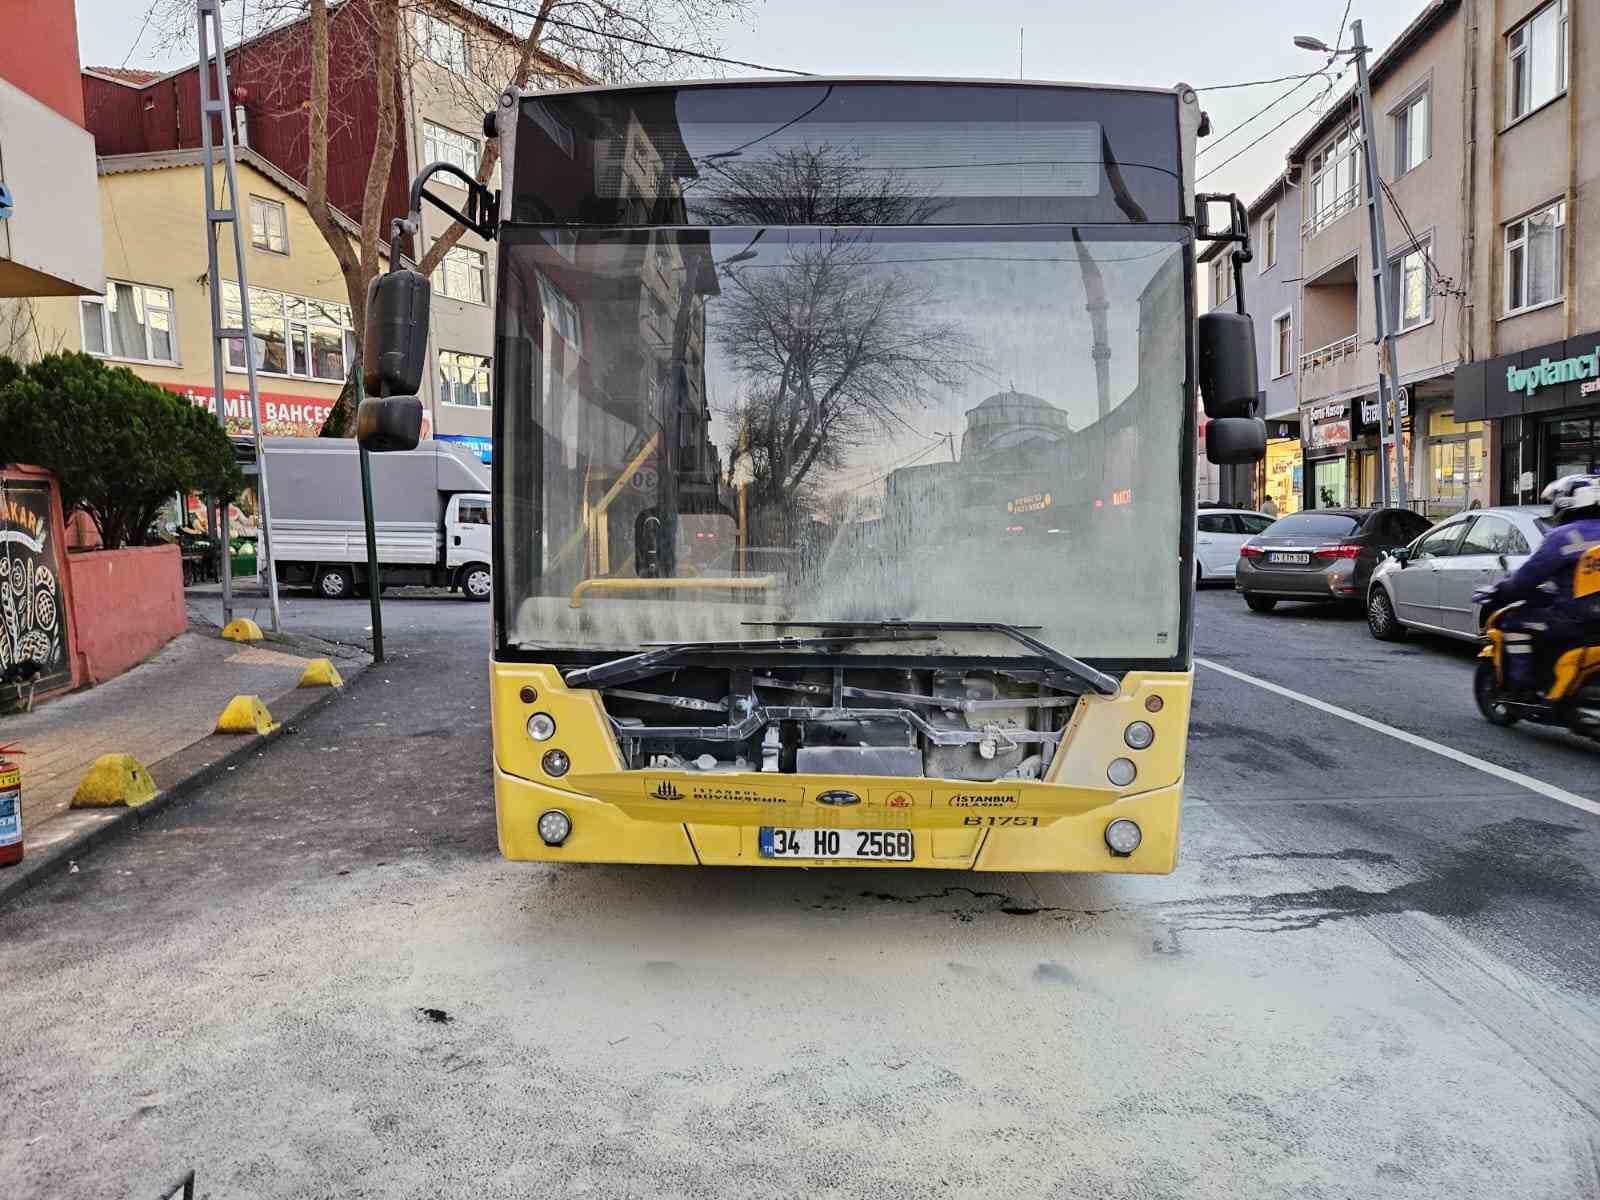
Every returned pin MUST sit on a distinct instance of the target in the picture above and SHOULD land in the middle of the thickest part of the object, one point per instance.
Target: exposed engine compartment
(981, 724)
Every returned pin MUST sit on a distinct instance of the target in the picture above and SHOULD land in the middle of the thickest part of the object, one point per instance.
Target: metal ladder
(216, 105)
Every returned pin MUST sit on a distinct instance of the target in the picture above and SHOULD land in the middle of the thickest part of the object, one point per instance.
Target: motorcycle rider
(1552, 618)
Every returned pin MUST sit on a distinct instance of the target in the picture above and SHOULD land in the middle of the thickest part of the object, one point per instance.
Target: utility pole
(1391, 439)
(219, 105)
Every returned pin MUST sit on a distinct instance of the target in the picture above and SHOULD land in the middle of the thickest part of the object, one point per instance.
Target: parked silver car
(1428, 585)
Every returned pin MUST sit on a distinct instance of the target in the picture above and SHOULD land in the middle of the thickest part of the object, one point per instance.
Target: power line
(637, 41)
(1323, 95)
(1441, 283)
(1250, 83)
(1213, 142)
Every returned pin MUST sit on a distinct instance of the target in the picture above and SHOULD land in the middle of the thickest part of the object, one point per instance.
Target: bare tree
(21, 338)
(833, 347)
(550, 42)
(834, 351)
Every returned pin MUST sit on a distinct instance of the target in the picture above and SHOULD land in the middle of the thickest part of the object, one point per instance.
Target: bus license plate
(1301, 559)
(885, 845)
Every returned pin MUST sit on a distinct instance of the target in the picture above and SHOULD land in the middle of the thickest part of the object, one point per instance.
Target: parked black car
(1324, 554)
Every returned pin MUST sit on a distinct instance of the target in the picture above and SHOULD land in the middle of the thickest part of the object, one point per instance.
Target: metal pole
(1389, 431)
(374, 584)
(218, 105)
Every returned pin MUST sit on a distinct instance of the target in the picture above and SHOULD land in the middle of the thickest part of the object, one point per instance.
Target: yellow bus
(844, 469)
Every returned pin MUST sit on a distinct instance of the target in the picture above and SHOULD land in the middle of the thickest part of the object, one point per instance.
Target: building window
(269, 225)
(442, 43)
(1535, 256)
(131, 321)
(464, 379)
(446, 145)
(1282, 345)
(298, 336)
(1221, 281)
(1334, 184)
(1269, 241)
(1411, 132)
(463, 275)
(1409, 289)
(1536, 60)
(560, 313)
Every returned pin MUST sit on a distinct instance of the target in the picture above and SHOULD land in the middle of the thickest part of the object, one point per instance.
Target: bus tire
(476, 582)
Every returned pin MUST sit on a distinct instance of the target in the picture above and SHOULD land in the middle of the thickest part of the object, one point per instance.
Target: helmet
(1573, 498)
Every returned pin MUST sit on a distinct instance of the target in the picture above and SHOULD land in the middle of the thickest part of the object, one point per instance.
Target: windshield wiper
(636, 666)
(1102, 683)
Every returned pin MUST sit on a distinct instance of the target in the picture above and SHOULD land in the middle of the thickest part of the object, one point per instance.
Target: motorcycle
(1571, 701)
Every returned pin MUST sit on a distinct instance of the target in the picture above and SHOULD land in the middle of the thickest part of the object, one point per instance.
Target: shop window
(1535, 262)
(1328, 483)
(1455, 463)
(131, 321)
(1536, 60)
(1572, 447)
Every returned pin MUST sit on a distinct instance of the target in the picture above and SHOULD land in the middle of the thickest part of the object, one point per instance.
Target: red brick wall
(39, 53)
(127, 604)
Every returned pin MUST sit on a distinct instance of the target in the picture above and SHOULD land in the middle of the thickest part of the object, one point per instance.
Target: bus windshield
(888, 416)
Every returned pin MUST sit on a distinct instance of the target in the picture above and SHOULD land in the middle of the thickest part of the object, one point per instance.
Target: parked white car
(1428, 584)
(1219, 533)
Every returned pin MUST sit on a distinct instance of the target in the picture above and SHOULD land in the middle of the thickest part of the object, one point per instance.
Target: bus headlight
(1121, 772)
(541, 727)
(1123, 836)
(555, 827)
(556, 763)
(1139, 735)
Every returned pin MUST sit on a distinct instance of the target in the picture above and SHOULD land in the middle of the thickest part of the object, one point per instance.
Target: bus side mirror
(1233, 440)
(1228, 386)
(389, 423)
(395, 348)
(1227, 364)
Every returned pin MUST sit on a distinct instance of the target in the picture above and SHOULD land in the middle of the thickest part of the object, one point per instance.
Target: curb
(178, 776)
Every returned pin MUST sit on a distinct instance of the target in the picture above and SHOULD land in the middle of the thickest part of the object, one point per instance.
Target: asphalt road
(1375, 973)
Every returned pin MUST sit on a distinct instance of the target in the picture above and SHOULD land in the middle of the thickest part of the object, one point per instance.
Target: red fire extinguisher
(10, 807)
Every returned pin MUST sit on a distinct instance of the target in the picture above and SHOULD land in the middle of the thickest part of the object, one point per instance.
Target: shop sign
(1548, 372)
(1327, 426)
(1037, 502)
(1369, 408)
(481, 446)
(282, 415)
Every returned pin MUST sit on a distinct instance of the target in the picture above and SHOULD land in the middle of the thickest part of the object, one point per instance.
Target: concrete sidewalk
(162, 712)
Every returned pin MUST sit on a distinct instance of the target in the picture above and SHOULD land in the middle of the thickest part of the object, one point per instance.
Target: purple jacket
(1545, 580)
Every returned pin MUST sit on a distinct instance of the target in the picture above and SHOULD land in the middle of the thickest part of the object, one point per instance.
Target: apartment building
(1421, 84)
(49, 221)
(1534, 162)
(1272, 295)
(454, 65)
(1489, 157)
(153, 314)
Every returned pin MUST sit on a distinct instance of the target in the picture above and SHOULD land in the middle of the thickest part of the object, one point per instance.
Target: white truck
(430, 506)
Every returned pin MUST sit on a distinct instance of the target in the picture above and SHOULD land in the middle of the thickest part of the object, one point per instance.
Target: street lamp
(1388, 361)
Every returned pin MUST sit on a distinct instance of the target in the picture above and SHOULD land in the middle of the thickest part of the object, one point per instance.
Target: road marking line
(1548, 790)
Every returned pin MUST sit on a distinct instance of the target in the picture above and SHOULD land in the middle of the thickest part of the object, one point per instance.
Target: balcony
(1330, 212)
(1322, 356)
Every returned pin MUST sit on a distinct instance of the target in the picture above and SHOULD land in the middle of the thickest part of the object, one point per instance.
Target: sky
(1149, 42)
